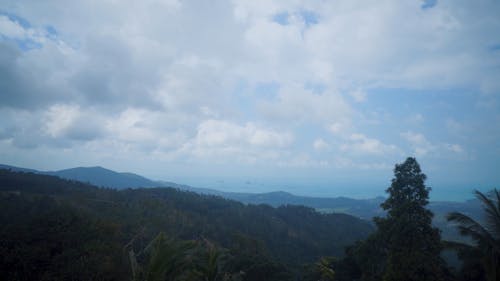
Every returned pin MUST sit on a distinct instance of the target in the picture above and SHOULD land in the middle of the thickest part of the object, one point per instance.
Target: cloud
(295, 104)
(421, 146)
(220, 133)
(361, 144)
(224, 141)
(159, 79)
(11, 28)
(72, 123)
(424, 148)
(319, 145)
(454, 148)
(358, 95)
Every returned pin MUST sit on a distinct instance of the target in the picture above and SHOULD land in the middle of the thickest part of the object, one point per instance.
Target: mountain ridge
(362, 208)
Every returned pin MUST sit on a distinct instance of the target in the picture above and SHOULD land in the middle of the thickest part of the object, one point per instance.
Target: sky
(316, 98)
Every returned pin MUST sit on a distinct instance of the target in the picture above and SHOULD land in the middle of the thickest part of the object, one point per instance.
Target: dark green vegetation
(406, 246)
(94, 175)
(362, 208)
(485, 253)
(409, 244)
(54, 229)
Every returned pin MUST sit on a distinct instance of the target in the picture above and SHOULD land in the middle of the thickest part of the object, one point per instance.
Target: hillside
(362, 208)
(97, 176)
(63, 212)
(100, 176)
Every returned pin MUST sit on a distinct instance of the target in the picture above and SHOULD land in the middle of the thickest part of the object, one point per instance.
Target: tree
(412, 245)
(486, 236)
(168, 259)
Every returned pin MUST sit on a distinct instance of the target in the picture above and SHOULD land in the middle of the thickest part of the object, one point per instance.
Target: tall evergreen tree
(412, 244)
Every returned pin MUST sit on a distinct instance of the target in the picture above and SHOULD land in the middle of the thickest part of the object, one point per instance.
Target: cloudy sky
(313, 97)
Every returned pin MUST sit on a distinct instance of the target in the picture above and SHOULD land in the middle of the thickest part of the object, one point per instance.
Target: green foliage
(412, 244)
(370, 256)
(53, 228)
(486, 236)
(42, 239)
(322, 270)
(405, 246)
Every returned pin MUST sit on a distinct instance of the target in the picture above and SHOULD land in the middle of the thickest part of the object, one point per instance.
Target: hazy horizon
(310, 97)
(304, 186)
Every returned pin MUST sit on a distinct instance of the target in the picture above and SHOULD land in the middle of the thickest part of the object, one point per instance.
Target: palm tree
(486, 235)
(324, 268)
(168, 259)
(210, 261)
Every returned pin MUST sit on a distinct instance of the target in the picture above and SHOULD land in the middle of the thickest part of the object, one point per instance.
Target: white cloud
(423, 147)
(454, 148)
(59, 118)
(320, 144)
(227, 142)
(361, 144)
(340, 127)
(358, 95)
(11, 29)
(220, 133)
(294, 104)
(160, 78)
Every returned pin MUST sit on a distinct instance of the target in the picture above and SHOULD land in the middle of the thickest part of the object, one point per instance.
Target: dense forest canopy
(57, 229)
(100, 222)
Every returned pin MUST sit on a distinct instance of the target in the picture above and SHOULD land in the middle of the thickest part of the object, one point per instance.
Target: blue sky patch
(51, 32)
(281, 18)
(309, 17)
(427, 4)
(494, 48)
(28, 44)
(21, 21)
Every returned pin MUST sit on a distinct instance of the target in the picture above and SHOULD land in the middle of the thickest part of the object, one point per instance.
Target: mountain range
(362, 208)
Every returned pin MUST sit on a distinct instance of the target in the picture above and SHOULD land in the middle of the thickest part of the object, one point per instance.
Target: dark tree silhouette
(487, 235)
(412, 245)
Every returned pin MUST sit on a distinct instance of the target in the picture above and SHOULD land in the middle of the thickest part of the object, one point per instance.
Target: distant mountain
(18, 169)
(98, 176)
(103, 177)
(362, 208)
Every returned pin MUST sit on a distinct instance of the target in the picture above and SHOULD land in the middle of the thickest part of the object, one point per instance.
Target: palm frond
(454, 245)
(469, 227)
(492, 211)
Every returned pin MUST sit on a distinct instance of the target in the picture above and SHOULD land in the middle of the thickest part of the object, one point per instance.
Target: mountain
(98, 176)
(103, 177)
(86, 229)
(17, 169)
(362, 208)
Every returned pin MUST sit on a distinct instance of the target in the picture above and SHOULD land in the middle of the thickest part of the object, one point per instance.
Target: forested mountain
(362, 208)
(52, 228)
(97, 176)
